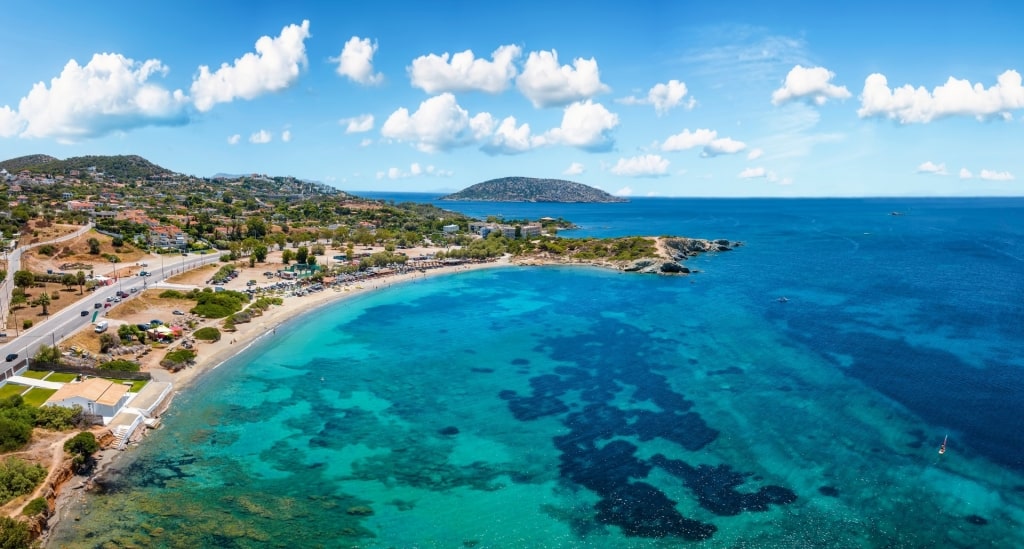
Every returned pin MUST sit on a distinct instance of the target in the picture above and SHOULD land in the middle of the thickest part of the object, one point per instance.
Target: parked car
(85, 313)
(11, 357)
(106, 305)
(97, 305)
(144, 273)
(177, 312)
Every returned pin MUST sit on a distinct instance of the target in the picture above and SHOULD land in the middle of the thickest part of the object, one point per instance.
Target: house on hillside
(96, 396)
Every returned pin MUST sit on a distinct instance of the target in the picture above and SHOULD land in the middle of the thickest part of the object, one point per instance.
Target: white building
(97, 396)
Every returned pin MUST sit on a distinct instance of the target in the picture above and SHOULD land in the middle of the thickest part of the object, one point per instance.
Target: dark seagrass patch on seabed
(592, 455)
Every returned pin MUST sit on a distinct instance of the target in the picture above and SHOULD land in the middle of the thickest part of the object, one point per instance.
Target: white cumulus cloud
(687, 140)
(625, 191)
(463, 72)
(992, 175)
(708, 139)
(575, 168)
(273, 67)
(648, 165)
(586, 125)
(438, 124)
(751, 173)
(965, 173)
(754, 154)
(110, 93)
(234, 139)
(909, 105)
(547, 84)
(932, 168)
(357, 124)
(260, 137)
(809, 83)
(509, 138)
(723, 145)
(10, 122)
(286, 136)
(356, 61)
(664, 97)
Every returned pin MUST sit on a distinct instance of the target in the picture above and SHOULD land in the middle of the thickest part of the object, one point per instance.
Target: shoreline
(71, 493)
(211, 356)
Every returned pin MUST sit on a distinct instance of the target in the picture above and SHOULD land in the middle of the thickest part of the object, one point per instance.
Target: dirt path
(45, 446)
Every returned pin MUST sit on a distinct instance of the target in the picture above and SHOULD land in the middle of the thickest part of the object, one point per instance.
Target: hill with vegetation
(15, 165)
(119, 167)
(529, 189)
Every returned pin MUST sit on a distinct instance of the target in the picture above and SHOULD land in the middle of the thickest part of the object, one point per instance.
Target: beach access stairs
(124, 432)
(138, 410)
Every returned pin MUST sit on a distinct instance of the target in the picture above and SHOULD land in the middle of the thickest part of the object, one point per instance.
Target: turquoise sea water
(577, 407)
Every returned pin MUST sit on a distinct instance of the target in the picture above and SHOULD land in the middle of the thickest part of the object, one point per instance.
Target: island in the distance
(530, 189)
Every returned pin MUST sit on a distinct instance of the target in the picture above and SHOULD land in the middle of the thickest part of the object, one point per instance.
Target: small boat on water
(942, 449)
(782, 299)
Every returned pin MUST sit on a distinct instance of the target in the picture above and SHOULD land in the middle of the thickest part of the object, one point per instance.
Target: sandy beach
(211, 355)
(69, 503)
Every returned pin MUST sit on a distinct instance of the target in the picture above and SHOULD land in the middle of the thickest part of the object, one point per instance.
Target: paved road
(54, 328)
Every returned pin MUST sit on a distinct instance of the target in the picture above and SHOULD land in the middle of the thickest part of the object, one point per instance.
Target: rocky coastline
(672, 252)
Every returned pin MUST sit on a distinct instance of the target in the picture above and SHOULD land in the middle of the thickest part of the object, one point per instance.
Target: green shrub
(19, 477)
(26, 324)
(81, 447)
(35, 507)
(121, 365)
(58, 418)
(14, 534)
(177, 359)
(208, 333)
(47, 249)
(219, 304)
(14, 434)
(172, 294)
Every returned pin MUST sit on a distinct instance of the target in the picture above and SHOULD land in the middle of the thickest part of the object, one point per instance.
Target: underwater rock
(449, 431)
(723, 371)
(359, 511)
(976, 519)
(830, 491)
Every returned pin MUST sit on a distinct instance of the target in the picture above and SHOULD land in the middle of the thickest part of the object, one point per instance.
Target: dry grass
(41, 234)
(77, 251)
(83, 339)
(197, 277)
(148, 304)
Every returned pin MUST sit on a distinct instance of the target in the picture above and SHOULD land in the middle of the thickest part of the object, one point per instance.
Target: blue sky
(639, 99)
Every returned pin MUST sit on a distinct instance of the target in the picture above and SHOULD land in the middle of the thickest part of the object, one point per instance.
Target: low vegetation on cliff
(633, 253)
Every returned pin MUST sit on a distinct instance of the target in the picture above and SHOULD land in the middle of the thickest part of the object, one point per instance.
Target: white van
(101, 326)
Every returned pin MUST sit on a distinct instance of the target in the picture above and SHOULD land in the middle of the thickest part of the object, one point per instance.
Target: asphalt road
(50, 330)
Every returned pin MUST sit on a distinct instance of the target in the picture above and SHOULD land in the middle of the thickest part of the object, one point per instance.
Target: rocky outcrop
(680, 248)
(672, 252)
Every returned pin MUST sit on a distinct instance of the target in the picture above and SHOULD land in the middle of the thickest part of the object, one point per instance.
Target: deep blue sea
(579, 407)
